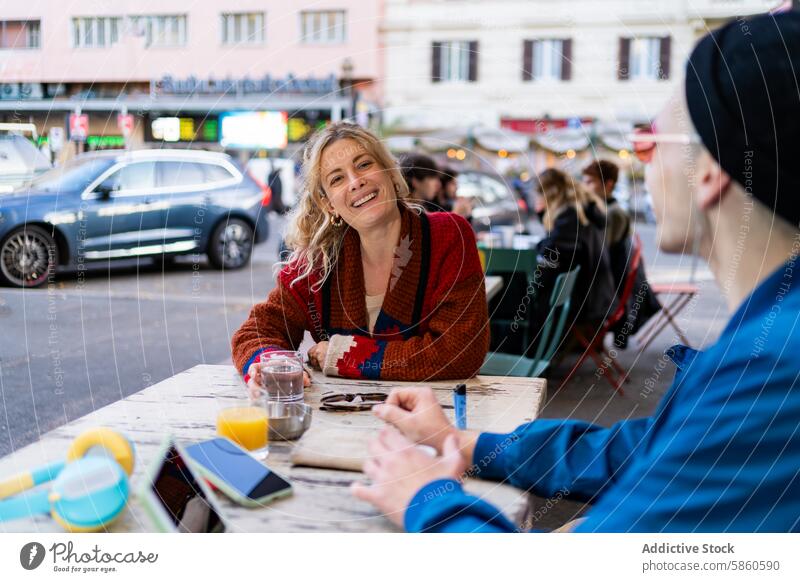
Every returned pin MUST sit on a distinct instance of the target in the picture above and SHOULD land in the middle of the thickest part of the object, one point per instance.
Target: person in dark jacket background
(575, 224)
(422, 176)
(600, 178)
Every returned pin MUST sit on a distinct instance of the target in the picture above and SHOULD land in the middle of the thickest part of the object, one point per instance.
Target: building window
(95, 32)
(20, 34)
(243, 28)
(547, 59)
(323, 27)
(644, 58)
(161, 31)
(455, 61)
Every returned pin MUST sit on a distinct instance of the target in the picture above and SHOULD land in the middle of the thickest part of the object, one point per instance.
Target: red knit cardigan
(433, 324)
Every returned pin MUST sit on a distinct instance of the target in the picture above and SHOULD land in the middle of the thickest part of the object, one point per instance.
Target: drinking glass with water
(282, 375)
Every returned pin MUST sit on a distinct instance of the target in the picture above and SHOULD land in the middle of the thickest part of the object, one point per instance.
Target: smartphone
(232, 470)
(174, 495)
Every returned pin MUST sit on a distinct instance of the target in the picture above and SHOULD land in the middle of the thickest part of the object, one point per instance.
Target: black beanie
(743, 94)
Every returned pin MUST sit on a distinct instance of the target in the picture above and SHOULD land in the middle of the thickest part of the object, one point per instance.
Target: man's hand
(254, 386)
(416, 413)
(398, 470)
(316, 355)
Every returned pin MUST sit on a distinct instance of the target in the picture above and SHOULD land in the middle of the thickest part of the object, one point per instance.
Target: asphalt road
(86, 341)
(89, 339)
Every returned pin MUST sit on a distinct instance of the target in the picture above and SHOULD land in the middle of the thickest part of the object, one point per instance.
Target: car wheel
(231, 244)
(27, 257)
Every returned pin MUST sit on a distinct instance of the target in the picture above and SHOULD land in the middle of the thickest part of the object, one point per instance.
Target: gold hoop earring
(336, 221)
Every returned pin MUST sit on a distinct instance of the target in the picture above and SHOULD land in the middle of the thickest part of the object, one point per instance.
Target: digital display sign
(185, 129)
(253, 129)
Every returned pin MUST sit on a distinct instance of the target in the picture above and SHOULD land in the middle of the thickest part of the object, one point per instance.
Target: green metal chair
(505, 262)
(497, 364)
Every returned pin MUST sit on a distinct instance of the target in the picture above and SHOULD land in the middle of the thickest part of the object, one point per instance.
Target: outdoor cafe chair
(594, 346)
(552, 333)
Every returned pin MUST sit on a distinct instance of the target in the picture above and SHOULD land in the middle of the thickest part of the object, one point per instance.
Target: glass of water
(282, 375)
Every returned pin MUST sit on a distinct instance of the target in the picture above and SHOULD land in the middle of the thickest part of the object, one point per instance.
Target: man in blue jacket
(722, 451)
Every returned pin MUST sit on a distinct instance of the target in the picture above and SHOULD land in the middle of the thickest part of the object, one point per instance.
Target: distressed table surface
(186, 404)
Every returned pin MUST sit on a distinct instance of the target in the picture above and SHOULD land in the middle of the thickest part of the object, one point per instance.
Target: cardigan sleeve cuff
(338, 346)
(255, 359)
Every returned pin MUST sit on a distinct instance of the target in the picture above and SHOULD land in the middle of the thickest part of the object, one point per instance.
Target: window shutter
(666, 46)
(473, 60)
(527, 60)
(436, 62)
(623, 72)
(566, 59)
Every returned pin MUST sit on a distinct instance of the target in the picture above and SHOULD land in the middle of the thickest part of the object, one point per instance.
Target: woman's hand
(316, 355)
(398, 470)
(416, 413)
(254, 386)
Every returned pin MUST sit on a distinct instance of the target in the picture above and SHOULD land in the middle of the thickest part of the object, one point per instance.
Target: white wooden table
(493, 285)
(185, 406)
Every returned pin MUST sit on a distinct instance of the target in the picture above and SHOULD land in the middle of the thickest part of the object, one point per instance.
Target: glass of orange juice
(245, 423)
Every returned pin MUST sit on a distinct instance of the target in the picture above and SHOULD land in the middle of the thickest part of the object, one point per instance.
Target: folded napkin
(327, 447)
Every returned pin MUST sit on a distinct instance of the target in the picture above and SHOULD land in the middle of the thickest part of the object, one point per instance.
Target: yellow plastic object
(482, 257)
(16, 484)
(114, 443)
(245, 425)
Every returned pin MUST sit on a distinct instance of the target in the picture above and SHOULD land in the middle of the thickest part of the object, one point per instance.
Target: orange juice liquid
(246, 425)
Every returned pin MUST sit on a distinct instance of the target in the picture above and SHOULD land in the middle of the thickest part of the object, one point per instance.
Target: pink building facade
(190, 60)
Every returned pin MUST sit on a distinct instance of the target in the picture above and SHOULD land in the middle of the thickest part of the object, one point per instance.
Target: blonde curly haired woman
(386, 291)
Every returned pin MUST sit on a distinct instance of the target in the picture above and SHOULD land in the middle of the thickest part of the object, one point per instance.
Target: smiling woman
(385, 290)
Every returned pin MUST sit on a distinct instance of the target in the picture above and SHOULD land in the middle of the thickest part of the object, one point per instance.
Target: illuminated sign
(254, 129)
(266, 85)
(167, 128)
(174, 129)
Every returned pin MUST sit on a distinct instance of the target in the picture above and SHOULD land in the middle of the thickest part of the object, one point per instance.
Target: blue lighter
(460, 405)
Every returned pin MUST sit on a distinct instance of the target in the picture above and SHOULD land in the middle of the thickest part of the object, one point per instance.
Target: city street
(77, 345)
(82, 343)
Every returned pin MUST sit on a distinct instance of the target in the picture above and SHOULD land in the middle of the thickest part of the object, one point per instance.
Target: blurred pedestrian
(600, 177)
(275, 183)
(422, 176)
(449, 194)
(575, 224)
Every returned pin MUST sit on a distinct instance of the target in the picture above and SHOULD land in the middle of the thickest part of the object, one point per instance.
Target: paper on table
(342, 448)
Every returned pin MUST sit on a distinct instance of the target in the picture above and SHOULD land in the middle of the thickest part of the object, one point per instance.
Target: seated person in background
(449, 194)
(722, 450)
(574, 221)
(600, 178)
(386, 290)
(424, 184)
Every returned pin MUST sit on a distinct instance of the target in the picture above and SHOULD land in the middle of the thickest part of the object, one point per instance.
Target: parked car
(20, 161)
(117, 204)
(493, 202)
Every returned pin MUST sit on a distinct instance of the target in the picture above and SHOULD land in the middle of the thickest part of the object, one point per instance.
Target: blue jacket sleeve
(442, 506)
(546, 456)
(574, 458)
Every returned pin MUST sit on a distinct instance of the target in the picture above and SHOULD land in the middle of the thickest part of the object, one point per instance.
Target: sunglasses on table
(645, 139)
(348, 401)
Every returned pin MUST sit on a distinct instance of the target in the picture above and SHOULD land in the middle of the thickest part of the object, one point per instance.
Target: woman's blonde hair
(560, 192)
(313, 241)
